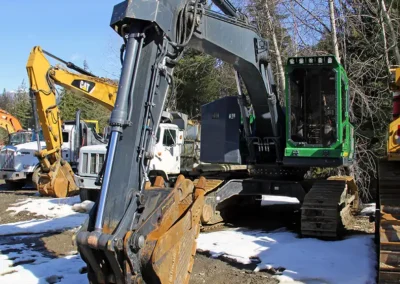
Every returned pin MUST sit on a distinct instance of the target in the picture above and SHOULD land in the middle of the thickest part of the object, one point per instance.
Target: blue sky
(73, 30)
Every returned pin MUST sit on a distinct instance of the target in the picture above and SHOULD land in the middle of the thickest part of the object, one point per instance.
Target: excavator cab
(93, 125)
(318, 131)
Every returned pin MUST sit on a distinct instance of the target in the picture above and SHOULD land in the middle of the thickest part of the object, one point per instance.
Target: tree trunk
(385, 47)
(281, 72)
(333, 29)
(391, 30)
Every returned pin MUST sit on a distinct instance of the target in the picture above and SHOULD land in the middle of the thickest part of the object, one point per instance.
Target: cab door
(167, 150)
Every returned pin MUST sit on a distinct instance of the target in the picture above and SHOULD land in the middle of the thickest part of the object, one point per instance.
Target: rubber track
(389, 222)
(322, 215)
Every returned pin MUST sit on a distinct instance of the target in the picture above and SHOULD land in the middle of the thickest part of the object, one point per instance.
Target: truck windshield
(313, 114)
(24, 137)
(40, 136)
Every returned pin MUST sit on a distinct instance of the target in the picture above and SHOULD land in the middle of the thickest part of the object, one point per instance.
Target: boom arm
(148, 233)
(6, 125)
(57, 176)
(9, 121)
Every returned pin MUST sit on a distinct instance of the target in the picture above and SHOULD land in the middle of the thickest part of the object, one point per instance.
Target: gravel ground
(205, 270)
(9, 197)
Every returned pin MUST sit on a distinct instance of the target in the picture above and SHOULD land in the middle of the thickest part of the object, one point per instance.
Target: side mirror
(179, 138)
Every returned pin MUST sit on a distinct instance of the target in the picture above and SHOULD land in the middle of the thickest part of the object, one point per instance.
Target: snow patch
(57, 211)
(42, 225)
(275, 199)
(83, 207)
(369, 209)
(23, 265)
(306, 260)
(48, 207)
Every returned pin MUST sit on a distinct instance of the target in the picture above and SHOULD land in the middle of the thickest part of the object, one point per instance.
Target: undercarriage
(388, 222)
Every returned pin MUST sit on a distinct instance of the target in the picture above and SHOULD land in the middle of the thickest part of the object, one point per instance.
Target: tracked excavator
(144, 230)
(55, 175)
(388, 201)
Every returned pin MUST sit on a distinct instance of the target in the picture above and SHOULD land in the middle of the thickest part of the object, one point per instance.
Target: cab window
(65, 136)
(169, 137)
(158, 135)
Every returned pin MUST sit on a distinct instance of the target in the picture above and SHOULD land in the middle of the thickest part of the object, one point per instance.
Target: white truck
(177, 150)
(18, 163)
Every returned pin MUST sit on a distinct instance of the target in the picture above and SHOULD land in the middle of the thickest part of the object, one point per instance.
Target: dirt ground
(8, 197)
(205, 270)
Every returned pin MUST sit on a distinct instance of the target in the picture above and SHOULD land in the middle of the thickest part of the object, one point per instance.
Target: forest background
(362, 34)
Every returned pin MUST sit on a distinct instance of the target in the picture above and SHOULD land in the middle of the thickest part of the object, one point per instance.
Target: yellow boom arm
(9, 122)
(56, 177)
(6, 125)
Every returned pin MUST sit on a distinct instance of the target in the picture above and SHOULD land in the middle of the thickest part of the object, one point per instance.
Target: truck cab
(176, 150)
(167, 149)
(20, 137)
(18, 161)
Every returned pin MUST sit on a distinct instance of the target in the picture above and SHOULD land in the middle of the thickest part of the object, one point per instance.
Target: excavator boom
(6, 125)
(142, 232)
(9, 122)
(56, 176)
(143, 229)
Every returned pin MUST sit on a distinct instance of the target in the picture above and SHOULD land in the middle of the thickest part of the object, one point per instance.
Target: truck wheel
(15, 185)
(87, 194)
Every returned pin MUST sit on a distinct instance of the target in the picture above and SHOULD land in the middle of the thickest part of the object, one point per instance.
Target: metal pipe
(70, 64)
(118, 119)
(106, 181)
(139, 52)
(246, 126)
(35, 115)
(226, 7)
(77, 140)
(119, 114)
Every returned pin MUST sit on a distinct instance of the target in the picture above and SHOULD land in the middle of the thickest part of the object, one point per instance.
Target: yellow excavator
(388, 205)
(9, 122)
(7, 126)
(55, 176)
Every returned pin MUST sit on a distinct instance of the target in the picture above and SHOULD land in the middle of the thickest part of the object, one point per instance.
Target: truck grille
(92, 163)
(7, 159)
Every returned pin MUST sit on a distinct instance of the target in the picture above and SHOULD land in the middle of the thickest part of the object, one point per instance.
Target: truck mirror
(179, 138)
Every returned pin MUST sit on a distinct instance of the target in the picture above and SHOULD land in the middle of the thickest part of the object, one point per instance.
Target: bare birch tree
(333, 29)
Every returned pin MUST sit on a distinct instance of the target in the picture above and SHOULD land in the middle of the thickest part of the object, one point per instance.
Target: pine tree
(200, 79)
(22, 107)
(70, 103)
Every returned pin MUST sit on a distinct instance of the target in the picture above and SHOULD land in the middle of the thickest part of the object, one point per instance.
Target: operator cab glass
(92, 126)
(318, 130)
(312, 98)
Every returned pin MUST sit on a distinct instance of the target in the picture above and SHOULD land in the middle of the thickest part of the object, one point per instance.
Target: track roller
(328, 207)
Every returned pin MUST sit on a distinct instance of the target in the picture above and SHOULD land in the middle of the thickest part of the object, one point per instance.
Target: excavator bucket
(173, 255)
(58, 182)
(164, 243)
